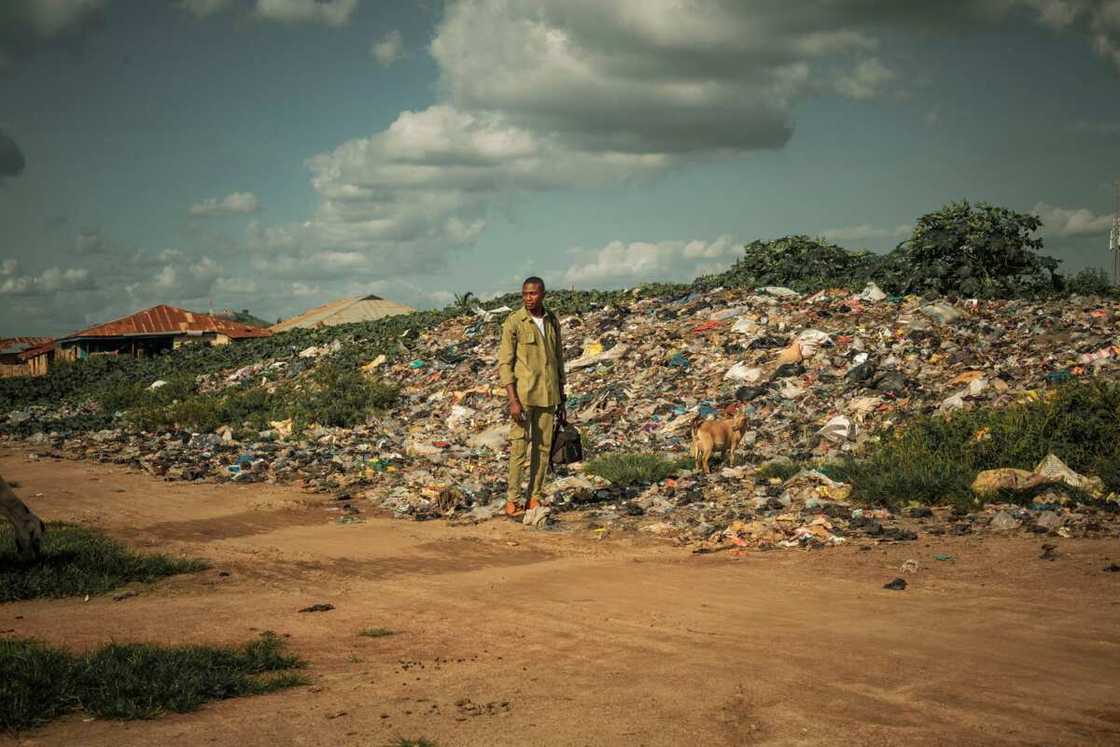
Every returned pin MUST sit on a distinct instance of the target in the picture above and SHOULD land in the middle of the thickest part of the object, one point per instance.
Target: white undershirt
(539, 321)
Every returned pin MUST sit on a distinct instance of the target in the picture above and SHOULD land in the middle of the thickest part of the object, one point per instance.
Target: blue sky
(276, 154)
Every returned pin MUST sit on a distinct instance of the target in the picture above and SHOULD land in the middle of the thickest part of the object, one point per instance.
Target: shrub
(631, 469)
(934, 459)
(978, 251)
(1089, 282)
(796, 262)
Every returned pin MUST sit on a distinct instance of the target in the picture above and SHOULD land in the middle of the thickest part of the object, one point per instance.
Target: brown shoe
(513, 509)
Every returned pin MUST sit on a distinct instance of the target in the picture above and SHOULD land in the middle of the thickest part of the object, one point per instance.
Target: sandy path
(511, 636)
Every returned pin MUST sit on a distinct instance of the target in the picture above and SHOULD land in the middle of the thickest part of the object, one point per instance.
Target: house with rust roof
(153, 331)
(148, 332)
(10, 348)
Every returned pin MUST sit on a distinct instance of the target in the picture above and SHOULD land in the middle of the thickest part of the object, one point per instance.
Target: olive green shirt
(533, 363)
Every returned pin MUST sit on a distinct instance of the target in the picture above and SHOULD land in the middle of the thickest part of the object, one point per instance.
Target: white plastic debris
(872, 293)
(839, 429)
(744, 373)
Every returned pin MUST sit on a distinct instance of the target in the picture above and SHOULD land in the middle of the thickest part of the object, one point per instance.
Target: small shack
(37, 360)
(11, 364)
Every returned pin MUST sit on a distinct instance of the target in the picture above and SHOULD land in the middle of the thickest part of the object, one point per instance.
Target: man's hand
(516, 411)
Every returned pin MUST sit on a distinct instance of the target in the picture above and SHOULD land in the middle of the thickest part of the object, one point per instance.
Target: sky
(273, 155)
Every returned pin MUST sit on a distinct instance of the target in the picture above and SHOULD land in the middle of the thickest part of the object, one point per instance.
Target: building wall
(11, 370)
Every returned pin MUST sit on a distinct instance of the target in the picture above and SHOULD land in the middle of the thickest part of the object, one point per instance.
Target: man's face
(533, 296)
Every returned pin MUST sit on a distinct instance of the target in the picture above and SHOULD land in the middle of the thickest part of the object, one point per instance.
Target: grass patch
(134, 681)
(934, 459)
(782, 470)
(404, 742)
(633, 469)
(376, 632)
(330, 396)
(79, 561)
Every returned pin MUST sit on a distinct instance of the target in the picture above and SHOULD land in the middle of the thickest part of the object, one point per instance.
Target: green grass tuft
(781, 470)
(934, 459)
(79, 561)
(633, 469)
(376, 632)
(134, 681)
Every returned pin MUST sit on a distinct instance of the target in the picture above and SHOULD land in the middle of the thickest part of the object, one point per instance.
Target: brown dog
(722, 435)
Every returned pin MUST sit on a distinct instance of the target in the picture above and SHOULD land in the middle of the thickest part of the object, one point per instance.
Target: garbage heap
(817, 374)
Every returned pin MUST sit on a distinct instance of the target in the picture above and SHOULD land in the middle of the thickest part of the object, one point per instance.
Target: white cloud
(388, 49)
(49, 281)
(28, 25)
(1059, 221)
(867, 80)
(326, 12)
(619, 263)
(51, 18)
(863, 232)
(1099, 18)
(237, 202)
(204, 8)
(233, 285)
(541, 95)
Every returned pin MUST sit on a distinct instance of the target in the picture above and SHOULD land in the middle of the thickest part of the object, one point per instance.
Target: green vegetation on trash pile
(330, 395)
(134, 681)
(796, 262)
(78, 381)
(79, 561)
(781, 470)
(980, 251)
(934, 459)
(635, 469)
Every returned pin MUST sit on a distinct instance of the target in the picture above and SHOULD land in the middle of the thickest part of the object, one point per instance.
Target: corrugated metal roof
(39, 349)
(9, 345)
(168, 320)
(343, 311)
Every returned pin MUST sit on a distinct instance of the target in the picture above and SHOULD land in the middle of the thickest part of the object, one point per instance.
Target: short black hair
(533, 280)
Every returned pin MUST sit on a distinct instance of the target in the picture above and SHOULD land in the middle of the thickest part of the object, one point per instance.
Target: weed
(632, 469)
(79, 561)
(131, 681)
(934, 459)
(782, 470)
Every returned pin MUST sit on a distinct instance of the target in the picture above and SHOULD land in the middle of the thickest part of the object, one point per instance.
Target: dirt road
(509, 636)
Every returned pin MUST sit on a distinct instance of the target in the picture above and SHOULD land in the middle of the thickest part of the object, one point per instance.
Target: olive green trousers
(530, 443)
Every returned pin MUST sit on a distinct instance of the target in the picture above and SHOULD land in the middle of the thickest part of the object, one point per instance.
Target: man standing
(531, 368)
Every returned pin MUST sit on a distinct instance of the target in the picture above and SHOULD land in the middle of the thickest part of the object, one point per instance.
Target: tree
(28, 527)
(973, 250)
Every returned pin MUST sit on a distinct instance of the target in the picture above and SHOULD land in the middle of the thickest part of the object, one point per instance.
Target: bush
(796, 262)
(632, 469)
(934, 459)
(977, 251)
(78, 561)
(1089, 282)
(340, 397)
(130, 681)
